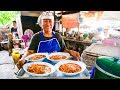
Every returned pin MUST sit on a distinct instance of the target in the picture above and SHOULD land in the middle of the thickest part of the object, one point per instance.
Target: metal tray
(56, 75)
(21, 74)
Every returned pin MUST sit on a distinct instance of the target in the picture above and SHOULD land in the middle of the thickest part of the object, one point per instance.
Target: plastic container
(107, 68)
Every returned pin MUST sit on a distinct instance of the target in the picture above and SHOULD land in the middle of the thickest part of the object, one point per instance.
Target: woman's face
(47, 25)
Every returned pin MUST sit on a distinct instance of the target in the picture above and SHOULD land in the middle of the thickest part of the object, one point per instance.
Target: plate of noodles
(58, 56)
(39, 68)
(70, 68)
(36, 57)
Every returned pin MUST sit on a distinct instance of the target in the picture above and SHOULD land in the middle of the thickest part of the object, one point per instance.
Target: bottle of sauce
(16, 56)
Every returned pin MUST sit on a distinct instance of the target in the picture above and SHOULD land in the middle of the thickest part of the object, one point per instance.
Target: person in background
(14, 30)
(46, 40)
(107, 37)
(10, 45)
(106, 32)
(99, 35)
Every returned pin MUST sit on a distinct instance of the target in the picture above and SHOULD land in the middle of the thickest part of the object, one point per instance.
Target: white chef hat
(45, 15)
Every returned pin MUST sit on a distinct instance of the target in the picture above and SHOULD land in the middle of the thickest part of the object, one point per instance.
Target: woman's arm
(73, 53)
(64, 48)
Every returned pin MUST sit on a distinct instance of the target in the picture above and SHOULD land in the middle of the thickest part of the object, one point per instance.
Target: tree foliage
(6, 17)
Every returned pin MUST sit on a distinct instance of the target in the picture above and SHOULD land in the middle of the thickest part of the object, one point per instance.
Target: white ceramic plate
(80, 63)
(39, 60)
(25, 66)
(58, 53)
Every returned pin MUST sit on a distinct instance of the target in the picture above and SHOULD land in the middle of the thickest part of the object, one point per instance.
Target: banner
(70, 20)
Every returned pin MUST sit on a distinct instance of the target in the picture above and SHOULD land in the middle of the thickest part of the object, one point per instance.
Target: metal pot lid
(109, 64)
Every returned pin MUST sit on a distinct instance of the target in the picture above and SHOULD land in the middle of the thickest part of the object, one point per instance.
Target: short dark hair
(14, 21)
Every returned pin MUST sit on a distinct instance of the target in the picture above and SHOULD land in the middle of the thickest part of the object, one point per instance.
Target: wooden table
(87, 43)
(77, 45)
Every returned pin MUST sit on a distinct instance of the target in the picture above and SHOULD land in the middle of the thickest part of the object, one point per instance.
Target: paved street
(7, 66)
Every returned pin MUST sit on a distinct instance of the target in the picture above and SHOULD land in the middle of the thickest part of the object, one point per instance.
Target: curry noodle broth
(39, 69)
(37, 57)
(58, 57)
(70, 68)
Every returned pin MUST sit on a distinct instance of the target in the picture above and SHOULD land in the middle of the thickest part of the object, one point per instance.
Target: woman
(46, 40)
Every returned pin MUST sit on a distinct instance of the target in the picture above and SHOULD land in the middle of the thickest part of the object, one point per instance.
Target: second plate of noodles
(70, 68)
(58, 56)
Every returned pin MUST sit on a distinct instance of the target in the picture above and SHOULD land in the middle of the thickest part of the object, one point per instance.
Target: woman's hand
(75, 54)
(20, 63)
